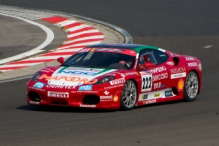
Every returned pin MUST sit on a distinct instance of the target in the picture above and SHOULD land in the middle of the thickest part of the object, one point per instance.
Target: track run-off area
(186, 27)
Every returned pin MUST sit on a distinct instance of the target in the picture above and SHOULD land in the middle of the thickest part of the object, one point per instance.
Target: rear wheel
(129, 95)
(191, 86)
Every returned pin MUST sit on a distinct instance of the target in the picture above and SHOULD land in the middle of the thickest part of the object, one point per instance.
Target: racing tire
(129, 95)
(191, 86)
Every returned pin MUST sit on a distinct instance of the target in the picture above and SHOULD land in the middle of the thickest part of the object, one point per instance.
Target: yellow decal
(92, 50)
(115, 98)
(157, 95)
(180, 85)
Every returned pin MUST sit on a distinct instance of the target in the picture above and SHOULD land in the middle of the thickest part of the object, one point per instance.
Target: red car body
(167, 79)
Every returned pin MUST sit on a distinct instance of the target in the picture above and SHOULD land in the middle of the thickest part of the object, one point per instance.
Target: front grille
(33, 96)
(91, 99)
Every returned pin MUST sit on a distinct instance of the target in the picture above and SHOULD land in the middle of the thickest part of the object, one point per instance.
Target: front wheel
(129, 95)
(191, 86)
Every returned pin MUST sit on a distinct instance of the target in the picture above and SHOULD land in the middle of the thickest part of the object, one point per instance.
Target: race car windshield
(102, 58)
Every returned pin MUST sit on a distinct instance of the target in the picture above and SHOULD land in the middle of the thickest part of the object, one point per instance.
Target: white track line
(49, 38)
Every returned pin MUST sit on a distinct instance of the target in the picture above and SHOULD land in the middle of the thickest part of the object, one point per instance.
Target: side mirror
(149, 64)
(61, 60)
(146, 65)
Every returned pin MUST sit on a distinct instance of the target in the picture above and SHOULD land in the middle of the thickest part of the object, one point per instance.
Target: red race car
(113, 76)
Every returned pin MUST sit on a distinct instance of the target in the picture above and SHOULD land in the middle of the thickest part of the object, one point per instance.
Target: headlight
(36, 76)
(105, 79)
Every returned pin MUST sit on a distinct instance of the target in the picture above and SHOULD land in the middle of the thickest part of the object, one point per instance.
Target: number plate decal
(146, 82)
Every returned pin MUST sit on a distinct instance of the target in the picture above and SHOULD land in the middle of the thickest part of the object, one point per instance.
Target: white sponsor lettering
(179, 75)
(192, 64)
(177, 70)
(158, 69)
(106, 97)
(170, 63)
(111, 87)
(84, 91)
(34, 102)
(58, 94)
(131, 73)
(189, 58)
(157, 85)
(60, 86)
(106, 92)
(122, 75)
(160, 77)
(151, 101)
(117, 81)
(86, 105)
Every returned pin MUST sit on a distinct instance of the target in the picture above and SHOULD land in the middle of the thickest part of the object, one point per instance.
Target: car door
(154, 79)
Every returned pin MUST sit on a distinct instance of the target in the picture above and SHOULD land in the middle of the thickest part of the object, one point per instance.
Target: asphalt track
(187, 27)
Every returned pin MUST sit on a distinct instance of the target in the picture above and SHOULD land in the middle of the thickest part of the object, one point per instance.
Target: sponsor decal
(157, 85)
(200, 67)
(158, 69)
(84, 91)
(83, 69)
(180, 85)
(168, 93)
(39, 85)
(58, 94)
(117, 81)
(34, 102)
(131, 73)
(144, 96)
(87, 105)
(189, 59)
(146, 83)
(68, 78)
(106, 92)
(150, 101)
(152, 94)
(192, 64)
(110, 74)
(39, 89)
(115, 98)
(160, 76)
(92, 49)
(60, 86)
(106, 97)
(178, 70)
(115, 86)
(178, 75)
(170, 63)
(78, 72)
(122, 75)
(156, 94)
(85, 87)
